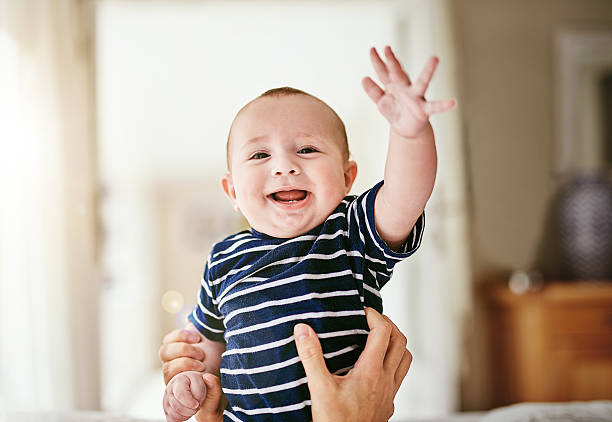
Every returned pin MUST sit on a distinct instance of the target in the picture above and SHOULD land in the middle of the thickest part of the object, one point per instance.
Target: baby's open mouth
(289, 195)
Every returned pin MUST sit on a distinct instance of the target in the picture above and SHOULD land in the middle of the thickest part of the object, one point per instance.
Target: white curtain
(48, 294)
(429, 298)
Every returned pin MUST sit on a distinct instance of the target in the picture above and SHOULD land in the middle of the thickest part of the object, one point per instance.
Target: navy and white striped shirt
(255, 288)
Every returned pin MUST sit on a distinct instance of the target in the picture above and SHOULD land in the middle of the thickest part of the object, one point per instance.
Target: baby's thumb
(311, 355)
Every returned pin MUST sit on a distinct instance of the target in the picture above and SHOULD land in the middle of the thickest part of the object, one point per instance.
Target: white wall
(515, 135)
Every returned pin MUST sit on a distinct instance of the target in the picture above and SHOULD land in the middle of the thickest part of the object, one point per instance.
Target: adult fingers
(171, 351)
(397, 346)
(311, 355)
(181, 335)
(379, 66)
(372, 89)
(372, 357)
(402, 370)
(176, 366)
(422, 82)
(395, 67)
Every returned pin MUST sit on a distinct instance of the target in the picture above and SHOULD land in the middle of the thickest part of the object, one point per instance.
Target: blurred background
(113, 121)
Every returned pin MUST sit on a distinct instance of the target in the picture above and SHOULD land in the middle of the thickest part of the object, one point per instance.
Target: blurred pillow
(593, 411)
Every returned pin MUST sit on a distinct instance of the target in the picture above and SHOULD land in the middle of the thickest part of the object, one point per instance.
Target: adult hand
(366, 393)
(183, 350)
(215, 402)
(179, 352)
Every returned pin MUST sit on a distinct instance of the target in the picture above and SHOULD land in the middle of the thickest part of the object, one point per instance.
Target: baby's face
(288, 165)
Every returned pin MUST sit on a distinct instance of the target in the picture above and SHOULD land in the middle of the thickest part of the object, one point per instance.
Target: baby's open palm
(402, 102)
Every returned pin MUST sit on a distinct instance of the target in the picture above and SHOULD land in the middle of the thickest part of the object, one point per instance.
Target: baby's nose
(285, 166)
(291, 171)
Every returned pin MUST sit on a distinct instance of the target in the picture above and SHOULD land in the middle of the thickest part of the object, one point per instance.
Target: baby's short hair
(287, 91)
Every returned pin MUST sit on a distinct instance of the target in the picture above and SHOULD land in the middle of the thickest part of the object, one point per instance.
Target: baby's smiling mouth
(289, 196)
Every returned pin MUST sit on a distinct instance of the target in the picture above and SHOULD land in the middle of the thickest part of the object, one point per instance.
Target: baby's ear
(227, 183)
(350, 173)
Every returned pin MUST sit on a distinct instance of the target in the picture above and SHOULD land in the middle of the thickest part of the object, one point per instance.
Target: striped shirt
(255, 288)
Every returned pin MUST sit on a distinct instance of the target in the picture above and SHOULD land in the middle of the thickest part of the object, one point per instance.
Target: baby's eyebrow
(252, 141)
(306, 135)
(255, 139)
(260, 138)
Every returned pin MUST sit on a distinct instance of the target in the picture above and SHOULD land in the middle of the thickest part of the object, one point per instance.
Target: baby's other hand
(184, 395)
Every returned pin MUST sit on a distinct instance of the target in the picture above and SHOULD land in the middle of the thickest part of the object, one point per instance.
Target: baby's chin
(286, 231)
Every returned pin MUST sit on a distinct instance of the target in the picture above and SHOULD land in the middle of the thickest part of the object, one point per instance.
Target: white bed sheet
(593, 411)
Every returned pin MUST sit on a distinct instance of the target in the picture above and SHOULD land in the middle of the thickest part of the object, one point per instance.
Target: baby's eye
(259, 156)
(307, 150)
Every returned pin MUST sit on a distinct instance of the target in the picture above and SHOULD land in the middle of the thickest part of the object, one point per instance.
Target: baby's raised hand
(184, 395)
(402, 102)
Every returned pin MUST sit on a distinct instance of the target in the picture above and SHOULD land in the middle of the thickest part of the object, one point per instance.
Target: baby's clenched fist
(184, 395)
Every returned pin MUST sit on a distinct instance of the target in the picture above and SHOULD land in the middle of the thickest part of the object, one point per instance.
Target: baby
(313, 254)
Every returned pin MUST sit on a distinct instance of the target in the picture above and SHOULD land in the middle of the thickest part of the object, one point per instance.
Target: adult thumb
(311, 355)
(214, 403)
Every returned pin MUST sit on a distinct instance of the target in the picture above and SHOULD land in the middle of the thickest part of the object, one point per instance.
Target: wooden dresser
(553, 344)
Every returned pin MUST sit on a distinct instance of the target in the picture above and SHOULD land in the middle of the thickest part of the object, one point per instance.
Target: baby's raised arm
(410, 170)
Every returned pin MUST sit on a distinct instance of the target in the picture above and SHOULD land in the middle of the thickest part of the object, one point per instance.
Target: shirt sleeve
(379, 259)
(206, 316)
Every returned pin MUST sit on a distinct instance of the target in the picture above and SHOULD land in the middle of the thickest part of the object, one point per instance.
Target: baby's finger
(183, 412)
(171, 414)
(432, 107)
(166, 405)
(379, 66)
(372, 89)
(197, 386)
(181, 389)
(421, 84)
(395, 67)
